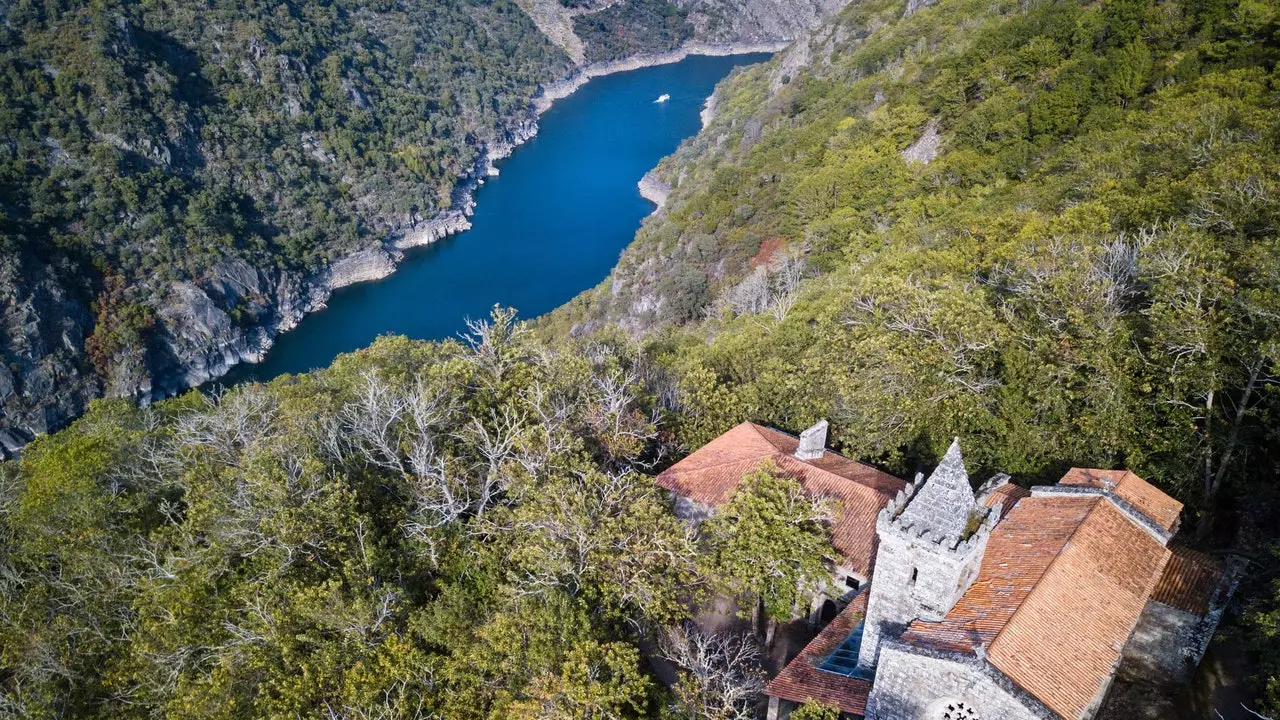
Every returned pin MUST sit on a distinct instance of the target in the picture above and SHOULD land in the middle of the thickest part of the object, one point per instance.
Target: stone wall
(908, 684)
(915, 578)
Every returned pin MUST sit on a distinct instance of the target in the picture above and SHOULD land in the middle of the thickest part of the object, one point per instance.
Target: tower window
(915, 573)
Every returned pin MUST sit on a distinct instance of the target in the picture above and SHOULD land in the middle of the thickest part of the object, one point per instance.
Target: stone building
(705, 479)
(1000, 604)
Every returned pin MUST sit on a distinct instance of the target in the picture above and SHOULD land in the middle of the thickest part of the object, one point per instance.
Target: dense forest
(1049, 227)
(154, 143)
(149, 140)
(1046, 227)
(461, 530)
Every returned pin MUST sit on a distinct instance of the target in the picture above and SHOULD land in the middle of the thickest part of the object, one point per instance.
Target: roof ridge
(841, 478)
(825, 449)
(1098, 501)
(757, 427)
(765, 456)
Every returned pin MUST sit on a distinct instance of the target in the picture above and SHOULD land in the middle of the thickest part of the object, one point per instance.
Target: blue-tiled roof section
(844, 659)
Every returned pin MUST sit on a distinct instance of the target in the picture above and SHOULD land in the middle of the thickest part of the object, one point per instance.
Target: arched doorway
(829, 611)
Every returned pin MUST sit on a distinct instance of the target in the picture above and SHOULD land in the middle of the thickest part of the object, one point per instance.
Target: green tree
(769, 540)
(816, 711)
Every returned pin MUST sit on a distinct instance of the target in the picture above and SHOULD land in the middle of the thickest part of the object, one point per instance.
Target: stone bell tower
(932, 538)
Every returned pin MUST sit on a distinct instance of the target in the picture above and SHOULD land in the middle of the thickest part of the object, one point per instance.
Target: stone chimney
(813, 442)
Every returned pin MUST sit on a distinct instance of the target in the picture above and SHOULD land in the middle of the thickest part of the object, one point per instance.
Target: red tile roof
(801, 680)
(709, 475)
(1147, 498)
(1007, 495)
(1054, 602)
(1189, 581)
(1019, 551)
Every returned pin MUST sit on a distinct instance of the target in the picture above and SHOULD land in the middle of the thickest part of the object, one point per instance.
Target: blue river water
(551, 225)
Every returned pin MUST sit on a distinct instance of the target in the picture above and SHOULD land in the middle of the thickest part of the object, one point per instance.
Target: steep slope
(756, 20)
(625, 28)
(187, 181)
(179, 182)
(1046, 225)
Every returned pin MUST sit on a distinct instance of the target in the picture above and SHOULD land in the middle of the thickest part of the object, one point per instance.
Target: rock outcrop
(925, 148)
(754, 21)
(653, 189)
(45, 376)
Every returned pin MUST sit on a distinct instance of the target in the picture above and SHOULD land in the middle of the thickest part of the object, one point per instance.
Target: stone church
(1002, 603)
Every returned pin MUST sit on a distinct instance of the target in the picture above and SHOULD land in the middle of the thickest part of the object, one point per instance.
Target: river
(551, 225)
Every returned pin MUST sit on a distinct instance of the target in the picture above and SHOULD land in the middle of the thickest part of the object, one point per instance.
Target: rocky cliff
(45, 377)
(757, 20)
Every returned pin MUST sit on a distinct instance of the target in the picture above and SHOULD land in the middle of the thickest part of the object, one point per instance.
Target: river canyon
(550, 225)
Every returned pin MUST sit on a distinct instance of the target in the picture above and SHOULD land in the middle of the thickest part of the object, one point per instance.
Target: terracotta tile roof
(1007, 495)
(1189, 581)
(1147, 498)
(802, 681)
(709, 475)
(1019, 551)
(1065, 640)
(1054, 602)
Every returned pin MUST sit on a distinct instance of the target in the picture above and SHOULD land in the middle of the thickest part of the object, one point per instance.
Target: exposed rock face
(914, 6)
(45, 376)
(556, 22)
(363, 266)
(721, 21)
(654, 190)
(708, 110)
(925, 149)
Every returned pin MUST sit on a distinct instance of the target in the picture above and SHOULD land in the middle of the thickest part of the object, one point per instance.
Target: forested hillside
(460, 530)
(1048, 227)
(152, 149)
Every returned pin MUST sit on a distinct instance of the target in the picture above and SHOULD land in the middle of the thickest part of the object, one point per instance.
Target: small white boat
(663, 98)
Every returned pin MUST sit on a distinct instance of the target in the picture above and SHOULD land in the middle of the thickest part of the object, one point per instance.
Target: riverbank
(297, 297)
(563, 88)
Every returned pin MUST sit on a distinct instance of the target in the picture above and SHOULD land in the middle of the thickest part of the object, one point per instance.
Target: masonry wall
(941, 578)
(908, 684)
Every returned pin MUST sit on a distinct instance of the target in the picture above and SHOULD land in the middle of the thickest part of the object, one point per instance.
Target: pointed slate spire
(942, 507)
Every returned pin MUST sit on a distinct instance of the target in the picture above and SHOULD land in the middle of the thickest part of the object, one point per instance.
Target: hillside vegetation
(423, 530)
(148, 144)
(1047, 227)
